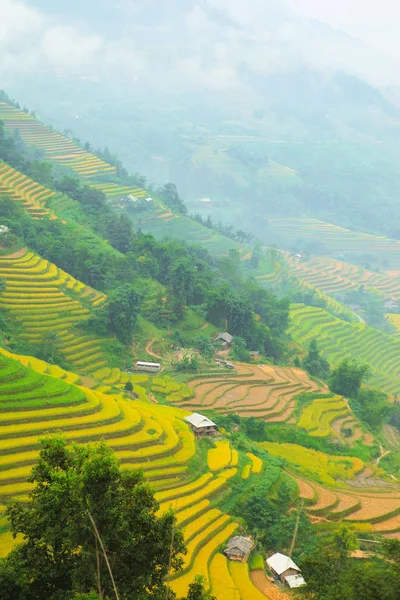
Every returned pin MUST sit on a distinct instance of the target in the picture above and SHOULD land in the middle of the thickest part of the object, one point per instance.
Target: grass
(256, 562)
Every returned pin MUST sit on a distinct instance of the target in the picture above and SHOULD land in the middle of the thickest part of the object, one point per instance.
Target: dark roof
(244, 545)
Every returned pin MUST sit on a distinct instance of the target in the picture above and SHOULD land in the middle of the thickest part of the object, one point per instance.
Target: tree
(90, 526)
(169, 193)
(49, 346)
(123, 308)
(128, 386)
(372, 407)
(197, 590)
(239, 350)
(314, 363)
(347, 378)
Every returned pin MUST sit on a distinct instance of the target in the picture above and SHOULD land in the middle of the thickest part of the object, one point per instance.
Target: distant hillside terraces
(332, 238)
(43, 298)
(338, 340)
(334, 276)
(57, 147)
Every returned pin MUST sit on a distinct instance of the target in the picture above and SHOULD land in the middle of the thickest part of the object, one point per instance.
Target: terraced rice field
(283, 276)
(114, 190)
(335, 239)
(338, 339)
(143, 435)
(372, 508)
(57, 148)
(327, 468)
(268, 392)
(43, 298)
(30, 195)
(333, 276)
(330, 417)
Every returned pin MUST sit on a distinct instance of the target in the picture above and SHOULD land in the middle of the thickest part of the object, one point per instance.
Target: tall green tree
(89, 526)
(347, 378)
(314, 363)
(123, 308)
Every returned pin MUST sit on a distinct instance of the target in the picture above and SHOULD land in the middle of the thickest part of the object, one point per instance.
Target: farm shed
(201, 425)
(282, 566)
(225, 338)
(239, 548)
(148, 366)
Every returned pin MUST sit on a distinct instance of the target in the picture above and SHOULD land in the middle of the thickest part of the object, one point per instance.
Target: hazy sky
(199, 43)
(373, 21)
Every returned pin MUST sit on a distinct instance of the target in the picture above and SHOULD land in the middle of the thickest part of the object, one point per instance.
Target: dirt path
(270, 590)
(17, 254)
(149, 349)
(383, 453)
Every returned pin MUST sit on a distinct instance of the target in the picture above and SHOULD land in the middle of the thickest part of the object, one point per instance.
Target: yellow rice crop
(256, 463)
(242, 581)
(235, 458)
(197, 525)
(314, 463)
(201, 561)
(219, 457)
(204, 492)
(222, 584)
(109, 410)
(317, 416)
(185, 489)
(192, 511)
(92, 402)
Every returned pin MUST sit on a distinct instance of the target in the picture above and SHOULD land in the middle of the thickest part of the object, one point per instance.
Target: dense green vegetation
(189, 276)
(332, 574)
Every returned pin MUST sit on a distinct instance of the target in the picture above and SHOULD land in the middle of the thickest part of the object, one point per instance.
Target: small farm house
(286, 570)
(148, 366)
(201, 425)
(225, 339)
(239, 548)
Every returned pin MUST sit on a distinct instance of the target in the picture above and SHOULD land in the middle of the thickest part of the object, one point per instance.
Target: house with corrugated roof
(238, 548)
(285, 569)
(224, 338)
(201, 425)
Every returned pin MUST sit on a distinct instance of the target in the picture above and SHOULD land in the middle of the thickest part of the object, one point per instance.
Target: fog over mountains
(161, 84)
(180, 44)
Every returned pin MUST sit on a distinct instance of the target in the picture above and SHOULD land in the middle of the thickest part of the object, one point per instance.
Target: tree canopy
(89, 526)
(347, 378)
